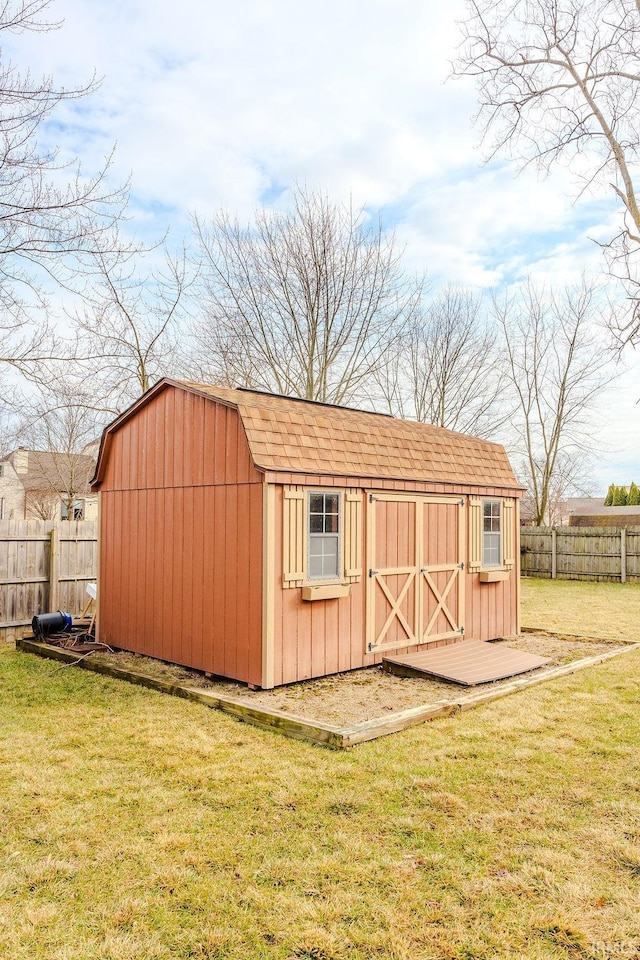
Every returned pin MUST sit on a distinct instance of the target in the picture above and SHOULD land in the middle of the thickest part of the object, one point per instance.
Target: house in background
(560, 514)
(270, 540)
(37, 484)
(595, 514)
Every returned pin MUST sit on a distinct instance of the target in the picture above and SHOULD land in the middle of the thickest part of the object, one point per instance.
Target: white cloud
(212, 104)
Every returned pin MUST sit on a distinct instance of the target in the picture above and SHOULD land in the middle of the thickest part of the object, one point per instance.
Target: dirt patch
(348, 698)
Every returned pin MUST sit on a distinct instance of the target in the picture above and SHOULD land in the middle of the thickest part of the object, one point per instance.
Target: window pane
(491, 550)
(316, 503)
(331, 523)
(324, 556)
(331, 502)
(315, 523)
(315, 547)
(315, 567)
(330, 565)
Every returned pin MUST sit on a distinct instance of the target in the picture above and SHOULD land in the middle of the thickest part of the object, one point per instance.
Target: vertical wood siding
(317, 638)
(441, 545)
(313, 639)
(181, 568)
(493, 608)
(181, 538)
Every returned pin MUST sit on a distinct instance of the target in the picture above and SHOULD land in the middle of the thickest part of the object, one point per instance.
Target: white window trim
(339, 578)
(500, 564)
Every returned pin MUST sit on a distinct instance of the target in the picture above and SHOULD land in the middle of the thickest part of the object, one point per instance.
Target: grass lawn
(609, 610)
(135, 826)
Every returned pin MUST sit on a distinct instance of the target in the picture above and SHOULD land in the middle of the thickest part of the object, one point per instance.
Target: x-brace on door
(415, 582)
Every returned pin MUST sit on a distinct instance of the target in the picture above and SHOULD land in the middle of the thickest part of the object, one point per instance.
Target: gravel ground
(358, 695)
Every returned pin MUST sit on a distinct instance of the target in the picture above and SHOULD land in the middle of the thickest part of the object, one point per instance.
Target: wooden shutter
(293, 537)
(508, 533)
(353, 534)
(475, 533)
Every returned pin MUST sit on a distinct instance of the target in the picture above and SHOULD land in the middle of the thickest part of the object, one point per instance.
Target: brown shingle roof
(298, 436)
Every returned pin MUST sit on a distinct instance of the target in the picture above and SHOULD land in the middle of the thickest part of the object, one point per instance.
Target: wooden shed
(269, 540)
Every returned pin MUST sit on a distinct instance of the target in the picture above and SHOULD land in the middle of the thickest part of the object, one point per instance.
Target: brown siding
(179, 439)
(491, 607)
(181, 538)
(313, 639)
(182, 553)
(321, 637)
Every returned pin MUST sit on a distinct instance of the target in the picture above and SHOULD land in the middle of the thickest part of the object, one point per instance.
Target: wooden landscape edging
(300, 728)
(292, 726)
(576, 636)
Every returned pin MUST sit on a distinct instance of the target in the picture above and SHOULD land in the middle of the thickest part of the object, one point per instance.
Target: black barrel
(46, 623)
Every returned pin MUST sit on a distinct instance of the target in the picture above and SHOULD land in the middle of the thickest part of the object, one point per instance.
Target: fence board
(25, 569)
(581, 553)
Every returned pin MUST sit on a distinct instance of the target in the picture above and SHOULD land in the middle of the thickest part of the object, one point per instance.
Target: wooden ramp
(468, 662)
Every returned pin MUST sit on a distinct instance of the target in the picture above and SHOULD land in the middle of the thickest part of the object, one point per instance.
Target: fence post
(623, 555)
(54, 570)
(554, 555)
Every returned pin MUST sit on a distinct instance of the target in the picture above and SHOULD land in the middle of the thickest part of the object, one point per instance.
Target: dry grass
(141, 827)
(608, 610)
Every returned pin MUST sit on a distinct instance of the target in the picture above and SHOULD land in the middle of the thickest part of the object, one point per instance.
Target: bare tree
(448, 368)
(306, 303)
(572, 478)
(561, 79)
(557, 369)
(127, 327)
(51, 214)
(9, 427)
(58, 423)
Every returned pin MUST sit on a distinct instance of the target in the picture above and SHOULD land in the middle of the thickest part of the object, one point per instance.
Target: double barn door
(415, 582)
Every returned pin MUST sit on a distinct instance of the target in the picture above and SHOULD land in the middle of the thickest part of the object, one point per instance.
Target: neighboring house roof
(290, 435)
(602, 516)
(55, 471)
(584, 505)
(599, 510)
(92, 448)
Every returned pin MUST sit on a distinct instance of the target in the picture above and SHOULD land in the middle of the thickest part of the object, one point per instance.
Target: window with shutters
(492, 534)
(322, 536)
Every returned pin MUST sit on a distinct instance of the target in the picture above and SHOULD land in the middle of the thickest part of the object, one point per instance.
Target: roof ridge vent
(318, 403)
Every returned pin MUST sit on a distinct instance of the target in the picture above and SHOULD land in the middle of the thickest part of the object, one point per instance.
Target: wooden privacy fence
(44, 565)
(581, 553)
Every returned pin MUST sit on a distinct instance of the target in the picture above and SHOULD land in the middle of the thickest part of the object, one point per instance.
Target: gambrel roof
(296, 436)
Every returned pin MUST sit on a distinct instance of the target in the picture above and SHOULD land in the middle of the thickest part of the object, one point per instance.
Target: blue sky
(215, 104)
